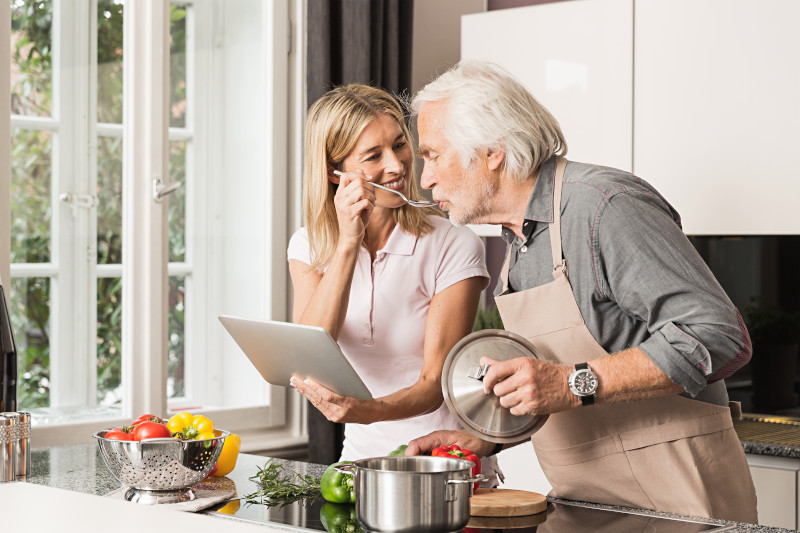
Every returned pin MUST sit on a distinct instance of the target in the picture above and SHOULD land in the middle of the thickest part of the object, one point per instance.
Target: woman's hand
(335, 407)
(354, 202)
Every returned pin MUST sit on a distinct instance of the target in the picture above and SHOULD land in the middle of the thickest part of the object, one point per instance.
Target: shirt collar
(399, 243)
(540, 203)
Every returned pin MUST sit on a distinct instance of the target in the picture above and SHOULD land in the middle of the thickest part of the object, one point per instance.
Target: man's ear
(333, 178)
(495, 159)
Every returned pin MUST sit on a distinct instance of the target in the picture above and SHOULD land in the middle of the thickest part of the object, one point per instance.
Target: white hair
(490, 110)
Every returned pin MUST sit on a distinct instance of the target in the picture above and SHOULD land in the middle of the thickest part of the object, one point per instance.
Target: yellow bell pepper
(186, 426)
(228, 455)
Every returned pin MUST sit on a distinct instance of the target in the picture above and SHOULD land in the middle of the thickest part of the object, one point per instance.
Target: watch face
(585, 382)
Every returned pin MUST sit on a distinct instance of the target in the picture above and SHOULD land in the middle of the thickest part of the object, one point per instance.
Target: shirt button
(523, 249)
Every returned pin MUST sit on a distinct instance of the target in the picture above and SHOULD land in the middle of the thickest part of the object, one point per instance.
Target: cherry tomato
(118, 434)
(151, 430)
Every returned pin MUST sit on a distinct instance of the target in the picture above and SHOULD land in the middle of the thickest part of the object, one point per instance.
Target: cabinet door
(576, 59)
(776, 490)
(717, 111)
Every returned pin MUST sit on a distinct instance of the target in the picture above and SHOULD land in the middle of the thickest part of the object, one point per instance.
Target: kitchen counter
(80, 468)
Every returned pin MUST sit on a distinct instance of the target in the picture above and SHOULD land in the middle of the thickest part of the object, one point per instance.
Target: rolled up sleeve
(646, 264)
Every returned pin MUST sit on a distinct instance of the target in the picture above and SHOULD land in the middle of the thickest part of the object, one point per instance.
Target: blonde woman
(397, 286)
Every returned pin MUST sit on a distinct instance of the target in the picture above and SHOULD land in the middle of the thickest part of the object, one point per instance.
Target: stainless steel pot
(412, 494)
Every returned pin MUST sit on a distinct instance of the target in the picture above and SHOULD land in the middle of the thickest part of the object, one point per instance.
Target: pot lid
(462, 385)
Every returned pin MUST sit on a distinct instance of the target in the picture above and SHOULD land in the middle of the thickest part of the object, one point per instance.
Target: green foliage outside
(31, 158)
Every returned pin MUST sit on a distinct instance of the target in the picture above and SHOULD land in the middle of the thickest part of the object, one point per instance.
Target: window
(114, 293)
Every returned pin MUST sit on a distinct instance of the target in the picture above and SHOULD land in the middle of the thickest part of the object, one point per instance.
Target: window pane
(109, 61)
(177, 66)
(31, 173)
(29, 305)
(176, 364)
(31, 66)
(109, 196)
(109, 341)
(177, 202)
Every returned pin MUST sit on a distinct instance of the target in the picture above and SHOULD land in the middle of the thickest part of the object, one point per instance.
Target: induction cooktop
(559, 518)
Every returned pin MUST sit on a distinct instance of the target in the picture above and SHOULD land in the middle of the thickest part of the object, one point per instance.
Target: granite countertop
(81, 468)
(778, 436)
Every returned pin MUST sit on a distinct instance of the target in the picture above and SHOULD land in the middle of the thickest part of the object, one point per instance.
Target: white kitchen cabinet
(701, 98)
(776, 483)
(521, 469)
(717, 111)
(576, 59)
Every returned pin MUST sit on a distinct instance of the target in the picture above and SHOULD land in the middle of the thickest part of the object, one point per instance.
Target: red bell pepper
(461, 453)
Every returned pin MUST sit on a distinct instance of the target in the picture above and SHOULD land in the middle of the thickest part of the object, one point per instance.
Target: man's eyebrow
(423, 150)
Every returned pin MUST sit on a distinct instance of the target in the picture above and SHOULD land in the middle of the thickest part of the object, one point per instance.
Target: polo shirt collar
(399, 243)
(540, 203)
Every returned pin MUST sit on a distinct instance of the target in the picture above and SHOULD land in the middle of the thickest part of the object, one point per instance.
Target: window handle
(86, 201)
(160, 190)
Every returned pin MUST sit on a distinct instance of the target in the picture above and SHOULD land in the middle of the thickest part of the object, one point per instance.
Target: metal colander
(160, 470)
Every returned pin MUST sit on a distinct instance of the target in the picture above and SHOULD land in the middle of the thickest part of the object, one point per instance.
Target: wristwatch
(583, 383)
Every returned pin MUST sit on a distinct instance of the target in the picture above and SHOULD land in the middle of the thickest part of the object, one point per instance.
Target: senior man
(634, 333)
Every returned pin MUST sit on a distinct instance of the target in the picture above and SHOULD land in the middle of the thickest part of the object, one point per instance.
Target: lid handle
(478, 372)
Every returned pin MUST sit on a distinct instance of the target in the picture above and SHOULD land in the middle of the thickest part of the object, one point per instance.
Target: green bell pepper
(337, 487)
(339, 518)
(401, 450)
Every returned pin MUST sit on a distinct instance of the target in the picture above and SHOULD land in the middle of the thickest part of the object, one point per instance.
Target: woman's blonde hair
(334, 124)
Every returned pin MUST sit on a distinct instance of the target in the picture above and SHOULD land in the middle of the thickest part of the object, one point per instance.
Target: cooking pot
(412, 494)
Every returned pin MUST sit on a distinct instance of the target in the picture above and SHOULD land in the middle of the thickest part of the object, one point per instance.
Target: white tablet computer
(280, 350)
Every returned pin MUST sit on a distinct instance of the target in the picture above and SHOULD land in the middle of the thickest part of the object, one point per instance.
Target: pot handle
(480, 478)
(450, 490)
(348, 469)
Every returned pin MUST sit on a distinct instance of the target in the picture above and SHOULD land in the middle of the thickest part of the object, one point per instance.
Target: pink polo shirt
(384, 330)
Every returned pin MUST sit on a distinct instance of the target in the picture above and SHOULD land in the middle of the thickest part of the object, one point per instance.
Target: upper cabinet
(699, 97)
(576, 59)
(717, 111)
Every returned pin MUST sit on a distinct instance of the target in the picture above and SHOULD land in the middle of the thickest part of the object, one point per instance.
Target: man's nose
(426, 178)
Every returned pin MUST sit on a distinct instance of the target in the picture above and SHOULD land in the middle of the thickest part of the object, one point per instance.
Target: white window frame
(279, 424)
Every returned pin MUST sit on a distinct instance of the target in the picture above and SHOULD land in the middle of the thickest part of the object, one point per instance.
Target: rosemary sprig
(279, 487)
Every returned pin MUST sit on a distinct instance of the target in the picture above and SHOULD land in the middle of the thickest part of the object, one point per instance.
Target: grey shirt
(637, 279)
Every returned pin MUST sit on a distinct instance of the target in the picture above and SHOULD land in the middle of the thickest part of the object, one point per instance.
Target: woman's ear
(333, 178)
(495, 159)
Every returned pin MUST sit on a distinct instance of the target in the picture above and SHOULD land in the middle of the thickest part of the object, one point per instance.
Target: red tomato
(118, 434)
(151, 430)
(147, 418)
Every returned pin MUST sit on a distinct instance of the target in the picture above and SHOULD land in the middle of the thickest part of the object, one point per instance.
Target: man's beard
(472, 203)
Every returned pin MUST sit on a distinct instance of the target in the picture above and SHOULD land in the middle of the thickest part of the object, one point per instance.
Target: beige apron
(671, 454)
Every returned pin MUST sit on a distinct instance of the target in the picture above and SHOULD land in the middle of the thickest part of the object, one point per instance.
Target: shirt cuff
(680, 356)
(470, 272)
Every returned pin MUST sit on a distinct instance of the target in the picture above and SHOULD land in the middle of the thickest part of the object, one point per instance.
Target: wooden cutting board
(506, 502)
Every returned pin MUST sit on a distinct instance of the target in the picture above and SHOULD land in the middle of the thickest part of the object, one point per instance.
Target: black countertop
(81, 468)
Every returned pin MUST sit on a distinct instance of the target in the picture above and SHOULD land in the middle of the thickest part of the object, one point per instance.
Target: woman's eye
(401, 144)
(373, 157)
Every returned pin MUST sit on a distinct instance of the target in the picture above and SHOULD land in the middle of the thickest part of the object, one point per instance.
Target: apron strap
(559, 263)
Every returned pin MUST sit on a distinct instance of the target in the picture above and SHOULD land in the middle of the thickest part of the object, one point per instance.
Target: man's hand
(528, 386)
(463, 439)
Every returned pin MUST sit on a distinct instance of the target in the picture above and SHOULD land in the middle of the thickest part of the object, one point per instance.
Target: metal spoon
(414, 203)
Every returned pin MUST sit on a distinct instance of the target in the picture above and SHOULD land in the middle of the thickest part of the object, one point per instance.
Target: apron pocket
(708, 476)
(596, 471)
